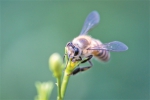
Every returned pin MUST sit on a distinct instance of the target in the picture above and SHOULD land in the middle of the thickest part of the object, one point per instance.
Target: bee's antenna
(70, 44)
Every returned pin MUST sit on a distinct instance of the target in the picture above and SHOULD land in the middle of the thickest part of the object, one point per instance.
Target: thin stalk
(69, 69)
(59, 88)
(64, 84)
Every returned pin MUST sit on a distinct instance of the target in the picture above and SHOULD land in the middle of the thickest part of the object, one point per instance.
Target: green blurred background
(33, 30)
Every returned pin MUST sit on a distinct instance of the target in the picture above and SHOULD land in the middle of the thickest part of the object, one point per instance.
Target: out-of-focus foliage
(32, 30)
(44, 90)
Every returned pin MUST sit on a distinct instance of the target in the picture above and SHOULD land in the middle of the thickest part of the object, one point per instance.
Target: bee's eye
(76, 51)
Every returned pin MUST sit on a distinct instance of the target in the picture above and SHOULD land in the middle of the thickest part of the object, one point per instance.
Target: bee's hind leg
(77, 70)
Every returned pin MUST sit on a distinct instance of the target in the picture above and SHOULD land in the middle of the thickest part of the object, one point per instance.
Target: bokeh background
(33, 30)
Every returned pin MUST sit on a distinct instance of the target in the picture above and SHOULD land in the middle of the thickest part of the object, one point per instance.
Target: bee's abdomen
(102, 55)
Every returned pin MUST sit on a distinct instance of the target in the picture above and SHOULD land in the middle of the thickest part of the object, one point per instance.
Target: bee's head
(72, 50)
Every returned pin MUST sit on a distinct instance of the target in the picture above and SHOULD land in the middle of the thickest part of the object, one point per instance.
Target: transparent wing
(115, 46)
(92, 19)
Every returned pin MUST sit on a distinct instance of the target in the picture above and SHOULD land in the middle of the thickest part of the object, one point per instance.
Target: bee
(85, 47)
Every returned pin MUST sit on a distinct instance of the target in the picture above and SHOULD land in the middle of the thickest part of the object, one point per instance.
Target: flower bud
(55, 64)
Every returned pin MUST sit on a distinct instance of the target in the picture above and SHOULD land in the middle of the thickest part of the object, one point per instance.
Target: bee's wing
(91, 20)
(111, 46)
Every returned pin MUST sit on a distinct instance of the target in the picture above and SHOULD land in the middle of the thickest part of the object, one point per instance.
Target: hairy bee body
(84, 42)
(84, 47)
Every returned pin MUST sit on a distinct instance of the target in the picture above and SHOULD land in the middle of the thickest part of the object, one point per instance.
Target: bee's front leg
(78, 59)
(73, 60)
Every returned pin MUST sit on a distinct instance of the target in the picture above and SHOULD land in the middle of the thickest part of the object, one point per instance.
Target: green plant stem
(64, 84)
(69, 69)
(59, 88)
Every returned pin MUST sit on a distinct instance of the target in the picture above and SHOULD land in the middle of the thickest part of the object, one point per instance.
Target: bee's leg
(67, 60)
(64, 57)
(66, 65)
(80, 59)
(77, 70)
(89, 57)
